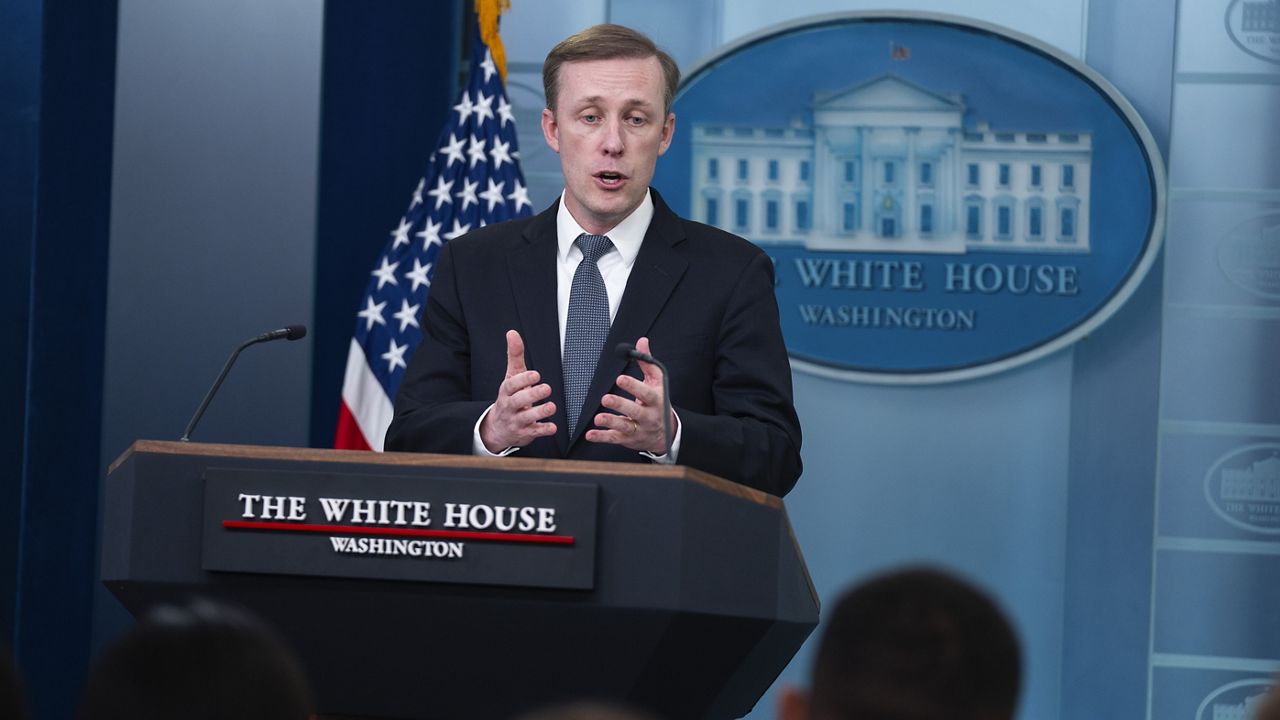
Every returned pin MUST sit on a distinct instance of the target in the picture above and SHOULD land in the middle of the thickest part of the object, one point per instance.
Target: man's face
(609, 129)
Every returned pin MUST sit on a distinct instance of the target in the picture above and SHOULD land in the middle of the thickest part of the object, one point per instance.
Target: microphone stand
(293, 332)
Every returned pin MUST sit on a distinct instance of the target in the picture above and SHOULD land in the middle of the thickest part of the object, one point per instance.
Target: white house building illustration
(1246, 710)
(1261, 17)
(888, 166)
(1258, 482)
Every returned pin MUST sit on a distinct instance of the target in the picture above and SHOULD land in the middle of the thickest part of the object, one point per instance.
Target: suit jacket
(703, 297)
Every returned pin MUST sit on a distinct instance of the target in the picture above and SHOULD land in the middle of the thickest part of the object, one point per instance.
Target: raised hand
(637, 423)
(518, 414)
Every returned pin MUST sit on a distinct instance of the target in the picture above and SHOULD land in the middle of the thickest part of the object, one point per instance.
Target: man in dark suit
(609, 263)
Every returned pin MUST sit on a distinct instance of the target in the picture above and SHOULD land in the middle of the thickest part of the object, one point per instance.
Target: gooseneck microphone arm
(629, 351)
(293, 332)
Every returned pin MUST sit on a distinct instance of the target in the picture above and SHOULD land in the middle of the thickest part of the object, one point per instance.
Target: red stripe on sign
(400, 532)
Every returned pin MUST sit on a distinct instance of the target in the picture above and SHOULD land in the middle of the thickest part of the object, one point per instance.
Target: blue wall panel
(20, 32)
(65, 349)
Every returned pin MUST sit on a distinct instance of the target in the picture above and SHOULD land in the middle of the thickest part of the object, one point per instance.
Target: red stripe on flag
(348, 435)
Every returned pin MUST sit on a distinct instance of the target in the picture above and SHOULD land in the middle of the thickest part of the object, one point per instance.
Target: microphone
(292, 332)
(629, 351)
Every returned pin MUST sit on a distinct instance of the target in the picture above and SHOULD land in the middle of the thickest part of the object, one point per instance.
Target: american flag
(472, 179)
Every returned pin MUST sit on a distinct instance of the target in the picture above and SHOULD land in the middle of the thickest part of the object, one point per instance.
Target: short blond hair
(608, 42)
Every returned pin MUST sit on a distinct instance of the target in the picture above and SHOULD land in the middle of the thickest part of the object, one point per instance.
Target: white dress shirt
(615, 268)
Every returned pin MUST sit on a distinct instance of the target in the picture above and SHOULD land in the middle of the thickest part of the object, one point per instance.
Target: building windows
(973, 174)
(1003, 207)
(889, 168)
(803, 222)
(926, 174)
(1261, 17)
(888, 227)
(1035, 176)
(772, 211)
(848, 216)
(926, 219)
(1068, 177)
(1068, 209)
(744, 170)
(804, 171)
(711, 198)
(850, 171)
(741, 211)
(713, 169)
(1004, 175)
(1067, 224)
(973, 218)
(1035, 221)
(773, 170)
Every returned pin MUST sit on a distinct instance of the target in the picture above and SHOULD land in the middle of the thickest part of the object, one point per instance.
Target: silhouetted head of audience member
(917, 644)
(1270, 707)
(587, 710)
(12, 703)
(202, 661)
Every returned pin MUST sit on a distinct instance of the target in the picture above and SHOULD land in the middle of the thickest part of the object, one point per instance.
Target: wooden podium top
(402, 459)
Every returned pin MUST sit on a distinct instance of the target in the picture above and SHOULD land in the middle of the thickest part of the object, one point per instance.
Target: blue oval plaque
(943, 199)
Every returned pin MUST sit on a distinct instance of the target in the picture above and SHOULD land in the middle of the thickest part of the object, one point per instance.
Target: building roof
(887, 92)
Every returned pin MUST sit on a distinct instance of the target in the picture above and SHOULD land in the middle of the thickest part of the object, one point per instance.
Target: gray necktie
(587, 326)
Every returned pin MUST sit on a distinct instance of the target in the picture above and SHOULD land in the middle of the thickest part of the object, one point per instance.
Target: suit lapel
(532, 268)
(657, 270)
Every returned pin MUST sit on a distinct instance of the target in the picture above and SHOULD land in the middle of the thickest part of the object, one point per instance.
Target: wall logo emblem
(927, 223)
(1243, 487)
(1249, 255)
(1238, 700)
(1254, 25)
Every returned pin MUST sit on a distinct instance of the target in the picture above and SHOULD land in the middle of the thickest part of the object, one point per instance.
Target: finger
(516, 383)
(531, 395)
(531, 420)
(646, 393)
(611, 437)
(543, 429)
(620, 423)
(652, 373)
(515, 353)
(630, 408)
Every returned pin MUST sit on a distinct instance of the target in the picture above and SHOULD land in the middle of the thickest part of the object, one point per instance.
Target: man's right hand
(516, 418)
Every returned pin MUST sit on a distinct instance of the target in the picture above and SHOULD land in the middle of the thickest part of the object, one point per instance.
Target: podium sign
(441, 529)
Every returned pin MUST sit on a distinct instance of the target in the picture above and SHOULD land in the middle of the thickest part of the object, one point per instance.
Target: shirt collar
(626, 235)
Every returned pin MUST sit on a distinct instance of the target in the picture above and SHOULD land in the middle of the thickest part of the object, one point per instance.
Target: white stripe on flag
(366, 399)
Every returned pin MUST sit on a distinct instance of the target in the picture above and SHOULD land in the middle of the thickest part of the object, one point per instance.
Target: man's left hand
(637, 423)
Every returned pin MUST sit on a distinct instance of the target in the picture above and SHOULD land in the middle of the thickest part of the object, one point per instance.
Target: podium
(448, 587)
